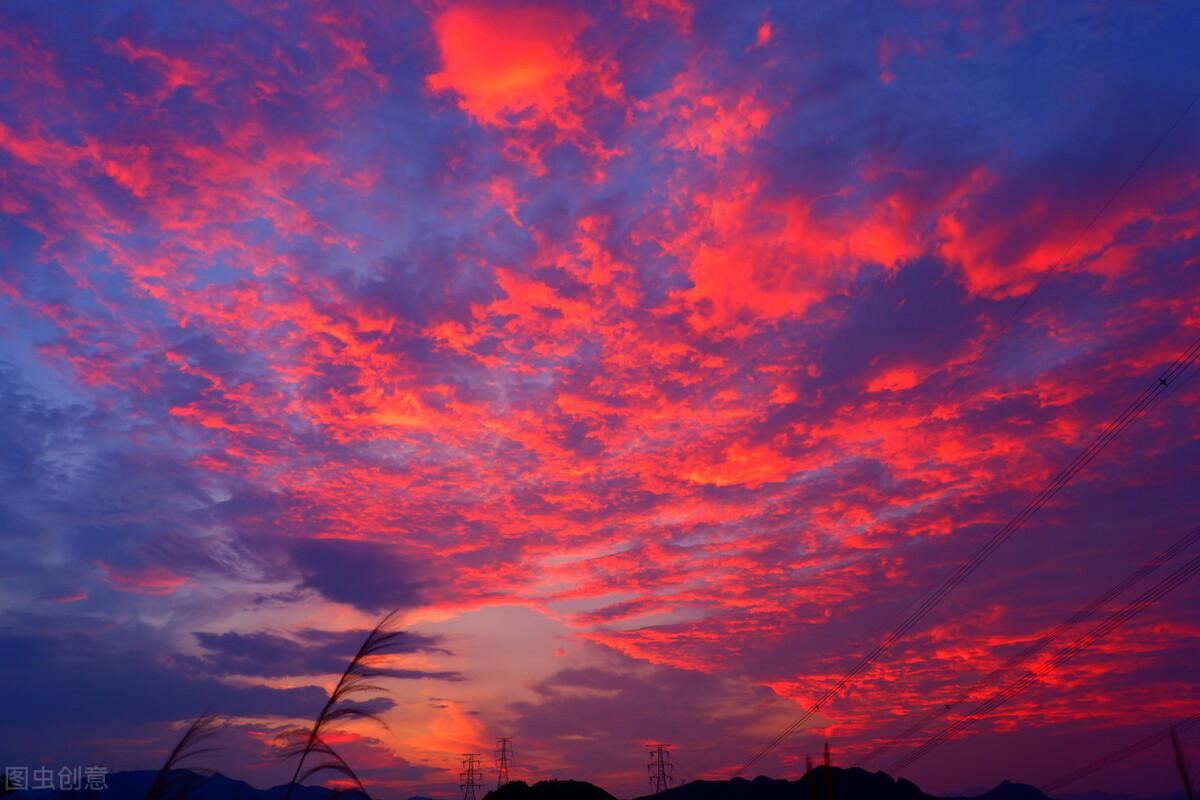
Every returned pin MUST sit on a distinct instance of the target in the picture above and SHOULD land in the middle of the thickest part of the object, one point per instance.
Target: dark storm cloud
(367, 575)
(309, 653)
(74, 680)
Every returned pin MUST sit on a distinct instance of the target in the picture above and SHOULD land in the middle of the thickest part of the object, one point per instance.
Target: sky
(652, 358)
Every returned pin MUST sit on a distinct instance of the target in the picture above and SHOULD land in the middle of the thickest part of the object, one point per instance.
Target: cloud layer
(652, 357)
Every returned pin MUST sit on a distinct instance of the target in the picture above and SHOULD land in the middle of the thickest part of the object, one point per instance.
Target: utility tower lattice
(469, 777)
(662, 771)
(504, 757)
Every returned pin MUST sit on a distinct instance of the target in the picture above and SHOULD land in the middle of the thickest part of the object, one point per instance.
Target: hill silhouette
(134, 784)
(549, 790)
(822, 783)
(831, 783)
(1007, 790)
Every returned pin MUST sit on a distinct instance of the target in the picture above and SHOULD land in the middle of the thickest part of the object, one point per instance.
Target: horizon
(678, 372)
(960, 794)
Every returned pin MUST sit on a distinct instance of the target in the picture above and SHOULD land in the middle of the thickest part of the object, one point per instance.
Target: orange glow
(510, 66)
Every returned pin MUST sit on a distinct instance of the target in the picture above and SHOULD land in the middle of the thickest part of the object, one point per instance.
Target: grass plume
(168, 783)
(356, 680)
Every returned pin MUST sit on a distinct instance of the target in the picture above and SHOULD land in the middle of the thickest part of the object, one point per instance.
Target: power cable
(1039, 645)
(1139, 404)
(1139, 604)
(1132, 411)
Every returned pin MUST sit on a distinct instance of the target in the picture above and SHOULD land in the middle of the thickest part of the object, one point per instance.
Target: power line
(1120, 755)
(1039, 645)
(936, 598)
(1110, 432)
(1133, 173)
(1131, 609)
(679, 772)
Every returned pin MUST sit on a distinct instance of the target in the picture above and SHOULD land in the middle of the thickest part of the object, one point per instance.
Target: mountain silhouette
(1007, 790)
(822, 783)
(135, 784)
(830, 783)
(549, 790)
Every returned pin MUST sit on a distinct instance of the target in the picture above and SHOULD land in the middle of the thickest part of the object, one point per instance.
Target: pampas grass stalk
(166, 784)
(356, 680)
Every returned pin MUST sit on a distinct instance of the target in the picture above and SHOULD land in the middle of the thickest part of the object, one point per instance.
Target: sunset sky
(654, 358)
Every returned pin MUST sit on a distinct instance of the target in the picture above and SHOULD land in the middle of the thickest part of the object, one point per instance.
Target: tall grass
(168, 783)
(1181, 765)
(355, 681)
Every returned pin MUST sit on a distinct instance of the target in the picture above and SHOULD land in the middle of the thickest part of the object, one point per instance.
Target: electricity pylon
(504, 756)
(469, 777)
(660, 768)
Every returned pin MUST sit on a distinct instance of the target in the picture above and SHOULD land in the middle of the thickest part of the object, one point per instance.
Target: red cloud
(510, 66)
(1005, 252)
(150, 580)
(679, 12)
(753, 257)
(641, 409)
(176, 71)
(896, 379)
(521, 69)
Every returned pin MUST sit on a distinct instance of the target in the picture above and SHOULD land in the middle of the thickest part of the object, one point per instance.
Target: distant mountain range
(135, 784)
(822, 783)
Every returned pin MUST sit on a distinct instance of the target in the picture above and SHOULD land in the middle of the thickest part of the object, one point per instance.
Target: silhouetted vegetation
(172, 781)
(825, 782)
(355, 681)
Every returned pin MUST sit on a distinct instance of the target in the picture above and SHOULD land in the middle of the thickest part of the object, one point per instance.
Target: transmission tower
(469, 777)
(827, 751)
(504, 758)
(660, 768)
(807, 764)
